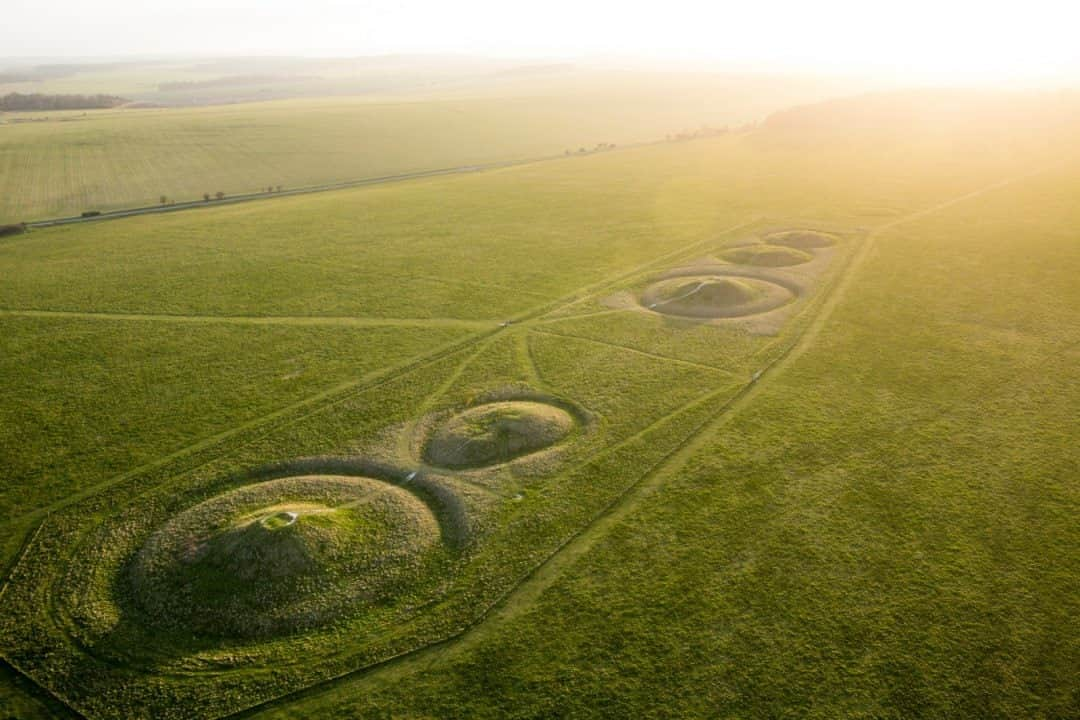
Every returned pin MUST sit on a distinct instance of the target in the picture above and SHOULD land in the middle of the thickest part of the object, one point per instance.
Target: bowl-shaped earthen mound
(497, 432)
(282, 556)
(767, 256)
(714, 296)
(801, 239)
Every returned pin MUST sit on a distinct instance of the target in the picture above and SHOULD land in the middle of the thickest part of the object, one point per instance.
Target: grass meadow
(859, 504)
(59, 164)
(887, 530)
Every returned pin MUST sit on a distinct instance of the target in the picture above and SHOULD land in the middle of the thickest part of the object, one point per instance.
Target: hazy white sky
(952, 39)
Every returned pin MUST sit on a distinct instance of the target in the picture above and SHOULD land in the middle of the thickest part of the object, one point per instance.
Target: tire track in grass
(406, 436)
(597, 313)
(526, 359)
(637, 351)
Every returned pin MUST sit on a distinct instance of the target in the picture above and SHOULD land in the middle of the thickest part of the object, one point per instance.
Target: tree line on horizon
(37, 101)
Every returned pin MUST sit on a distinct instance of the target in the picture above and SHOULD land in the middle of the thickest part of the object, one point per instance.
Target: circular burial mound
(282, 556)
(714, 296)
(497, 432)
(767, 256)
(801, 239)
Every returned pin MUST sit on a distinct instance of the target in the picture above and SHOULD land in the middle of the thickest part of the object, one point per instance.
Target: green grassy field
(110, 159)
(885, 529)
(856, 504)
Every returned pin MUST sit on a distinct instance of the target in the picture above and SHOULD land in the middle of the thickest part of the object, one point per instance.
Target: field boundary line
(814, 328)
(596, 313)
(591, 290)
(294, 320)
(253, 197)
(636, 351)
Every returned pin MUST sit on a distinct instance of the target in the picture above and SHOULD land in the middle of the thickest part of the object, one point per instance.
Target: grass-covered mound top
(497, 432)
(767, 256)
(282, 556)
(801, 239)
(713, 296)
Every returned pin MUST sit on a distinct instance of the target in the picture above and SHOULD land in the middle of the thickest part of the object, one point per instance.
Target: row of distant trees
(707, 131)
(13, 102)
(207, 197)
(600, 147)
(702, 132)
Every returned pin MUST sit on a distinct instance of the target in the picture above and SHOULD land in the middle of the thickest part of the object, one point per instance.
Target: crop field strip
(537, 580)
(522, 326)
(632, 349)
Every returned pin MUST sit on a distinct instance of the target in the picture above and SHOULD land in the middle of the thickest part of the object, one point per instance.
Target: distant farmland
(103, 160)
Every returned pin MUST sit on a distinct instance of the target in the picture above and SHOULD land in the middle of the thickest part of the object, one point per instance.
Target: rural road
(307, 190)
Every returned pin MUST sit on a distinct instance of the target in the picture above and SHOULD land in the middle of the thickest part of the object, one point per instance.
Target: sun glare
(927, 41)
